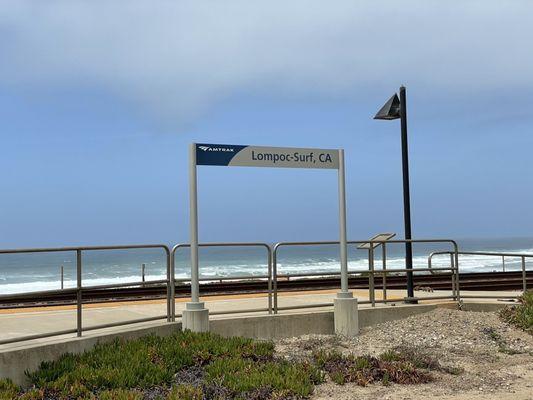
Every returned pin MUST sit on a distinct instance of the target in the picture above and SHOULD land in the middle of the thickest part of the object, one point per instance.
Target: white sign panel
(262, 156)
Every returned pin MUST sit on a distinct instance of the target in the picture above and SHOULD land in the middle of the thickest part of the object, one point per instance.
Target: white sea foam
(38, 286)
(467, 263)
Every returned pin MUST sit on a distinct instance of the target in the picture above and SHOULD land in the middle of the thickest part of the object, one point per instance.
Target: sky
(99, 101)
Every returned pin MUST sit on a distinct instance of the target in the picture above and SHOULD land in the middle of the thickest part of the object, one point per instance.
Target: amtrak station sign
(262, 156)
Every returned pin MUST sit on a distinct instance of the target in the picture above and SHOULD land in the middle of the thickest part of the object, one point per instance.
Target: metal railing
(79, 289)
(522, 256)
(272, 276)
(268, 276)
(453, 270)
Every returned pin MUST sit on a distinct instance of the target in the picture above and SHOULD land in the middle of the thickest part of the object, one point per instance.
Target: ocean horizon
(21, 273)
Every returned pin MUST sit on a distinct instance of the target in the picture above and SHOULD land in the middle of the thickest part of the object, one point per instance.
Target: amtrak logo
(225, 149)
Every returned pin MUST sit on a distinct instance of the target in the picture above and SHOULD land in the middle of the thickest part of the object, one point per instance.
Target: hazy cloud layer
(178, 58)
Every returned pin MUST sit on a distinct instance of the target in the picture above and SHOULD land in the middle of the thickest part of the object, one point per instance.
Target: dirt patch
(488, 358)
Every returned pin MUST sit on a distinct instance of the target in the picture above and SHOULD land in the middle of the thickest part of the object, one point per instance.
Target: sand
(497, 359)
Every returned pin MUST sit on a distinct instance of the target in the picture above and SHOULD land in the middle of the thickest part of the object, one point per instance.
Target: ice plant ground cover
(189, 365)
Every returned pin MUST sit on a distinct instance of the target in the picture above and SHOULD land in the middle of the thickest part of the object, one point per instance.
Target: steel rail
(473, 281)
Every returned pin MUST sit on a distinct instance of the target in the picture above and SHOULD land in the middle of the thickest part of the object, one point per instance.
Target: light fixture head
(391, 109)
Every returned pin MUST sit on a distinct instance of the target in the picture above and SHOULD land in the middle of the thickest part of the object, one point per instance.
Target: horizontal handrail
(85, 248)
(484, 253)
(501, 254)
(371, 271)
(225, 244)
(80, 289)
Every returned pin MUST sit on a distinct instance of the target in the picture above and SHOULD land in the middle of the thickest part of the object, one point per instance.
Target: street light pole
(406, 194)
(396, 108)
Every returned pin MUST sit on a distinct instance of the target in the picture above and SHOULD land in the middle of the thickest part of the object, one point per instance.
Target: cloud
(179, 58)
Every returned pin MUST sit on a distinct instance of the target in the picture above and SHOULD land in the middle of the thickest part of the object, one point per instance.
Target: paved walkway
(24, 322)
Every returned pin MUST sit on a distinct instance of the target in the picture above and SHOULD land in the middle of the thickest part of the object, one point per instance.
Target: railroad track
(485, 281)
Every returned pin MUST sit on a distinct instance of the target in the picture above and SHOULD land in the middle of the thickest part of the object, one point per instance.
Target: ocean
(41, 271)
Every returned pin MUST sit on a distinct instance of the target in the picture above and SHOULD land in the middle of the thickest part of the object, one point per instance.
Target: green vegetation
(143, 363)
(8, 390)
(402, 365)
(191, 366)
(240, 376)
(520, 315)
(182, 366)
(185, 392)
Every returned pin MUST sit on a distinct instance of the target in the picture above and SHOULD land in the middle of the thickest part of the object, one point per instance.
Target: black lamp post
(396, 108)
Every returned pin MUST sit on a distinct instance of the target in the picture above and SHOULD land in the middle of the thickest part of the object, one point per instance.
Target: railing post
(171, 285)
(524, 277)
(454, 276)
(503, 263)
(371, 288)
(170, 260)
(78, 293)
(275, 277)
(269, 266)
(451, 259)
(384, 263)
(143, 268)
(456, 267)
(62, 273)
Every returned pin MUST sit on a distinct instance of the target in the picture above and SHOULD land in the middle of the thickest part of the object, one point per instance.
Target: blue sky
(99, 100)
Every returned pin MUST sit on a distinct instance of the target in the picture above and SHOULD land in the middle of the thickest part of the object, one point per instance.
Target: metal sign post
(371, 245)
(196, 316)
(342, 225)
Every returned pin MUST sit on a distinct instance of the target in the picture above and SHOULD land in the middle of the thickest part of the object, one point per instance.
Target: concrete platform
(17, 358)
(24, 322)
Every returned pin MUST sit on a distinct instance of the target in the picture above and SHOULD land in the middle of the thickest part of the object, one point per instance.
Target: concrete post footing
(195, 317)
(345, 314)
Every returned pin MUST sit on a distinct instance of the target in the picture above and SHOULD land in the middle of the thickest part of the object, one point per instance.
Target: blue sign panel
(216, 154)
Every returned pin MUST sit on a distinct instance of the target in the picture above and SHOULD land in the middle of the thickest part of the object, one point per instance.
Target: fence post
(524, 278)
(371, 274)
(503, 263)
(456, 267)
(171, 284)
(275, 277)
(143, 269)
(62, 277)
(78, 293)
(454, 275)
(269, 266)
(384, 261)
